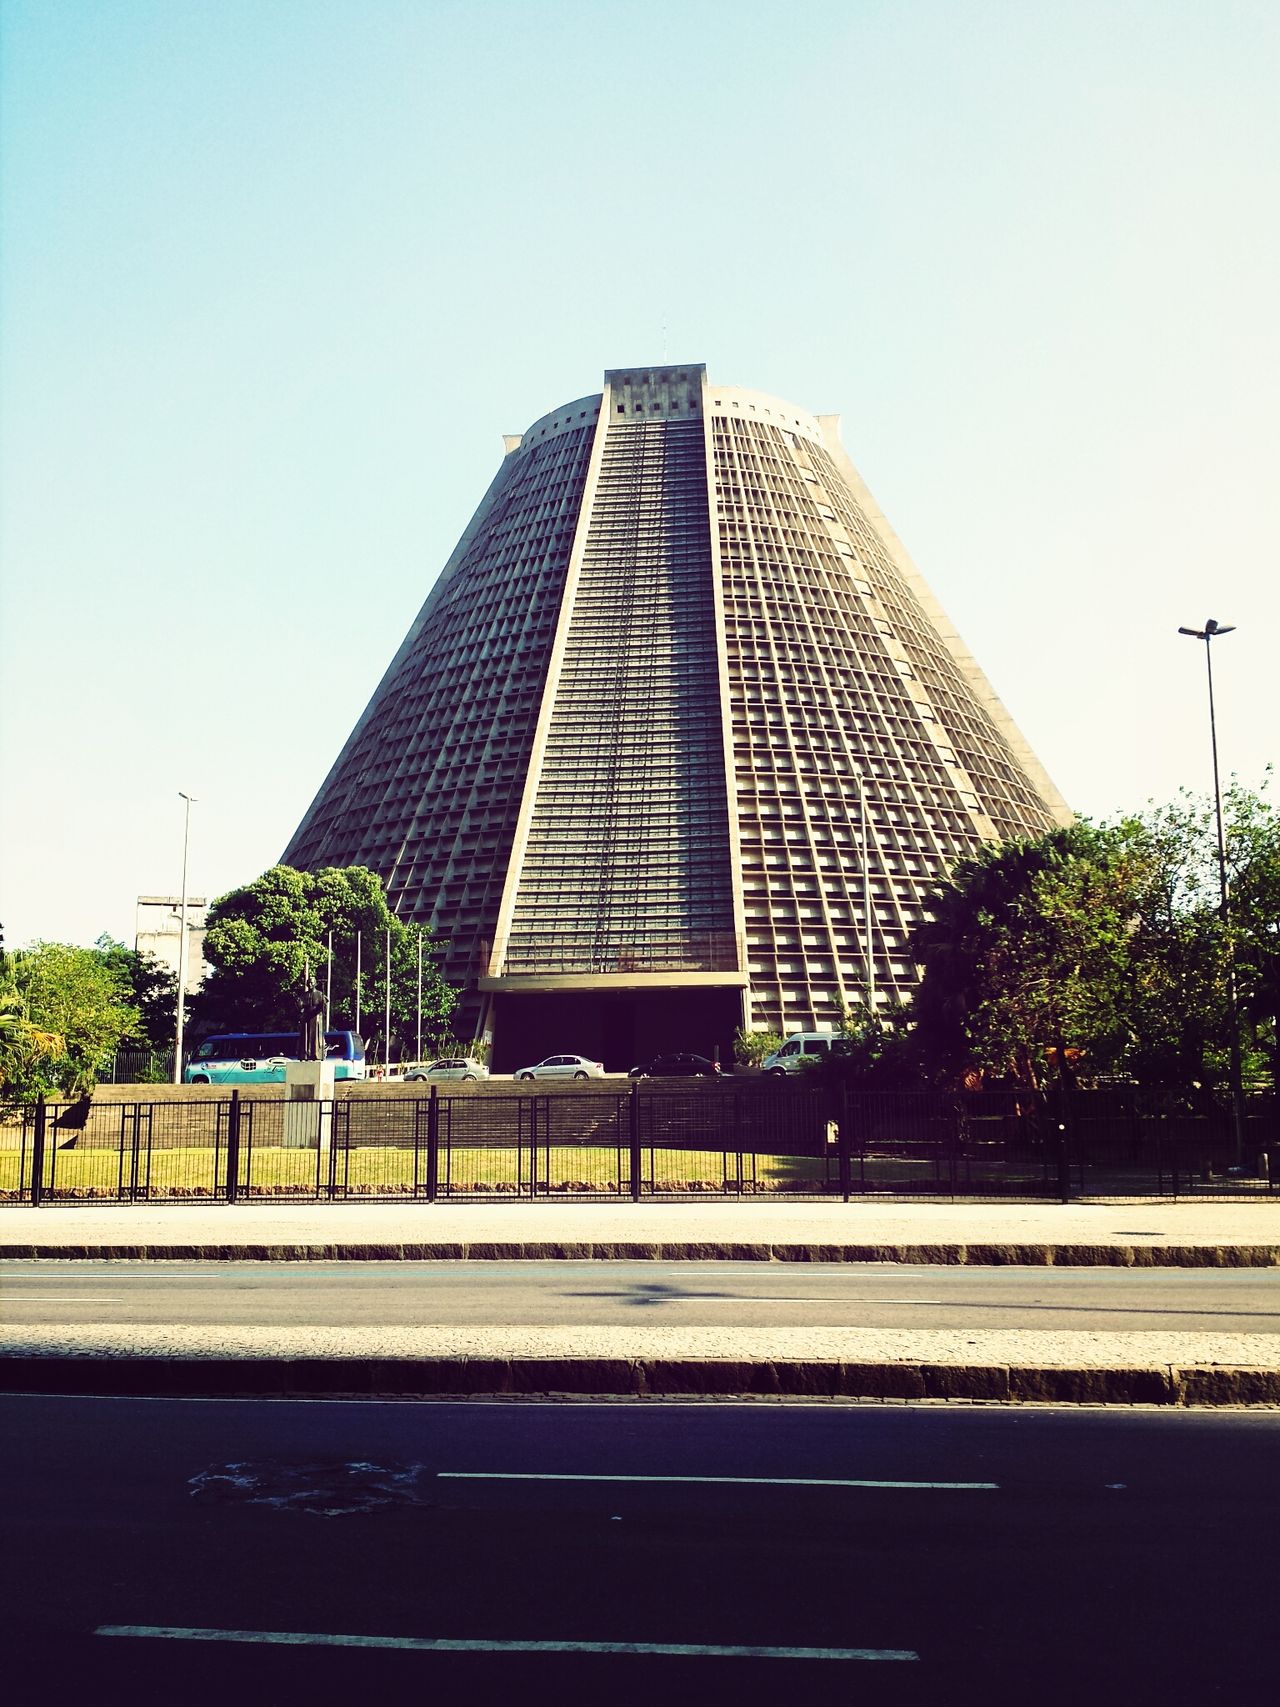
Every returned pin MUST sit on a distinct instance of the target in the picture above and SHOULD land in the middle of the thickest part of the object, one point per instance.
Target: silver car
(564, 1067)
(803, 1049)
(452, 1067)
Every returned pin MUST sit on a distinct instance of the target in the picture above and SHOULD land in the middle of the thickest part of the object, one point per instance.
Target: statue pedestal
(308, 1105)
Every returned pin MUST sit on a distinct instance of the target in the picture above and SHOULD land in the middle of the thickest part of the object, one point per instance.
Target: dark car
(676, 1067)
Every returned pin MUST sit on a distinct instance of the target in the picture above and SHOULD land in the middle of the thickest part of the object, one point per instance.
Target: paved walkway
(1146, 1231)
(1012, 1365)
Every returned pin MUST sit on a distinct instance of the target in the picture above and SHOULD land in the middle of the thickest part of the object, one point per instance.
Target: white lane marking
(746, 1298)
(479, 1402)
(730, 1481)
(65, 1298)
(10, 1283)
(481, 1645)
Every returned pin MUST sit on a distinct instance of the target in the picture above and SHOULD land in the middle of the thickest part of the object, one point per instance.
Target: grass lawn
(379, 1169)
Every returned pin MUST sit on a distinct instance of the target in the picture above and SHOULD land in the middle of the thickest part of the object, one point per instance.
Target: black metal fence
(641, 1142)
(138, 1067)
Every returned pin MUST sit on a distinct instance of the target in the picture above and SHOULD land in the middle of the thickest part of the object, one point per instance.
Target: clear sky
(277, 274)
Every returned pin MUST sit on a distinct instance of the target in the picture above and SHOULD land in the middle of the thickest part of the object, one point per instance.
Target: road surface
(559, 1294)
(289, 1551)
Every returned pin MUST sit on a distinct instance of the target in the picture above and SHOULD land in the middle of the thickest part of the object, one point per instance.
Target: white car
(564, 1067)
(452, 1067)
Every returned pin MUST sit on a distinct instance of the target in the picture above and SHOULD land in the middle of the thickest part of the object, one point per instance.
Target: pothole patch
(331, 1489)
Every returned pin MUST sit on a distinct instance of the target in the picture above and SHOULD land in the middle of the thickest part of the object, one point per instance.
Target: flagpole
(419, 1055)
(386, 1028)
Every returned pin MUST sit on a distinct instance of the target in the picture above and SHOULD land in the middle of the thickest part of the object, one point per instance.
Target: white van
(800, 1049)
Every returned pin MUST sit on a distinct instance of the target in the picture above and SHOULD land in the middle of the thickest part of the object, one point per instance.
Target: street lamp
(182, 940)
(1211, 631)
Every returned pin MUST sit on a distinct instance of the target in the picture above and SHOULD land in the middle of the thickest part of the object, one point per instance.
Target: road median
(983, 1254)
(639, 1378)
(1006, 1366)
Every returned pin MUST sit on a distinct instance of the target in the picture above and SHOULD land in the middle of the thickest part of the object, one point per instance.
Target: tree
(751, 1047)
(1103, 949)
(24, 1050)
(876, 1050)
(153, 991)
(1185, 954)
(1176, 1012)
(265, 939)
(65, 1014)
(1025, 957)
(259, 940)
(1253, 853)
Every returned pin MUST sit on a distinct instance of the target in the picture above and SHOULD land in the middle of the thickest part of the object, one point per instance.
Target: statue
(311, 1038)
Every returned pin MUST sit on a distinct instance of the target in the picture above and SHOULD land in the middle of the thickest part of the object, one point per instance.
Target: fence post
(325, 1112)
(37, 1155)
(633, 1134)
(433, 1144)
(1061, 1134)
(233, 1148)
(844, 1135)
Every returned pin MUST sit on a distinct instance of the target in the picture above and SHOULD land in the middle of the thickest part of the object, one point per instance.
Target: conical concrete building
(677, 739)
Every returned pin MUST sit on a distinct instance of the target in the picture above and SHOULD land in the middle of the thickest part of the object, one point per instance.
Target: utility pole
(1208, 633)
(182, 941)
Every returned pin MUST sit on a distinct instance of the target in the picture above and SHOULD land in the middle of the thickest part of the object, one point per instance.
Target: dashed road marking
(727, 1481)
(483, 1645)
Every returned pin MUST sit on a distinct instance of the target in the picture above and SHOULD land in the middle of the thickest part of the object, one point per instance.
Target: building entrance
(619, 1027)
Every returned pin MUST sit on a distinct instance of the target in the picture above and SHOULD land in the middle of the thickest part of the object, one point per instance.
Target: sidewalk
(1011, 1365)
(1145, 1232)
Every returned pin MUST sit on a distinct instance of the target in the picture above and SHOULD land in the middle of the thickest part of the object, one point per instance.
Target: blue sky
(277, 276)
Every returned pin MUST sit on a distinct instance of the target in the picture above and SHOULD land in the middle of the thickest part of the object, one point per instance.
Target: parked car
(451, 1067)
(803, 1049)
(564, 1067)
(676, 1066)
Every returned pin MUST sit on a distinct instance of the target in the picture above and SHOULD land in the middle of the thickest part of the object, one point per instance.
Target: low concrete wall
(95, 1121)
(111, 1096)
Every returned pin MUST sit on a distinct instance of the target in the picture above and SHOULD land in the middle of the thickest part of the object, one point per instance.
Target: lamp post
(182, 940)
(1211, 631)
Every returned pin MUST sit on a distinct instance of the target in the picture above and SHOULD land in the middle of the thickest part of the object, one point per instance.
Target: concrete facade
(157, 926)
(679, 737)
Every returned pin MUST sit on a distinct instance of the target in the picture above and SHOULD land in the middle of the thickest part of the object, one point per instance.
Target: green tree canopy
(1025, 953)
(65, 1011)
(264, 940)
(152, 990)
(1253, 852)
(877, 1051)
(1103, 949)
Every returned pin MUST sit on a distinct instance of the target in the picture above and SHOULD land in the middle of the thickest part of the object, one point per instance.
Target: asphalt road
(550, 1294)
(209, 1550)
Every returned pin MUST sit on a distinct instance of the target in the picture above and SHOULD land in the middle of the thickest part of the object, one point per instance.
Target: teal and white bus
(260, 1058)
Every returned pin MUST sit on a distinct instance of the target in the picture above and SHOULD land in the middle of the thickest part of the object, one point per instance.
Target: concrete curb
(475, 1377)
(986, 1255)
